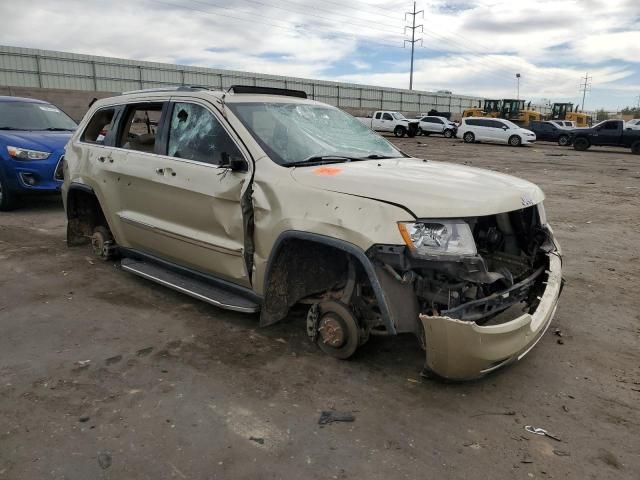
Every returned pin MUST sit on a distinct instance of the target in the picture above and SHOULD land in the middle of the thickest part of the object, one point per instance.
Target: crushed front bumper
(462, 350)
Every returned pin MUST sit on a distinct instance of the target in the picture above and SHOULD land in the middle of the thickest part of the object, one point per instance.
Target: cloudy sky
(469, 46)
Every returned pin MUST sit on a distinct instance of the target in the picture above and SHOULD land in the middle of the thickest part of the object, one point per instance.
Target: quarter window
(98, 127)
(196, 134)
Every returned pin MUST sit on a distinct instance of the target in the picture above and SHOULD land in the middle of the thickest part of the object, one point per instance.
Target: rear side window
(378, 115)
(140, 127)
(196, 134)
(99, 125)
(473, 123)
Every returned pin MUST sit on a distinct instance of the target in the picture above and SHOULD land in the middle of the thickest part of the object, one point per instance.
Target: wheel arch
(277, 276)
(84, 213)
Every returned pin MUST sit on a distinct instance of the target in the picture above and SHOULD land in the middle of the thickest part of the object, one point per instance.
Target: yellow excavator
(490, 109)
(515, 111)
(565, 111)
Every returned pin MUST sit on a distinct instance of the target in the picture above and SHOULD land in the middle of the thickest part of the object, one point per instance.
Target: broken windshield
(292, 132)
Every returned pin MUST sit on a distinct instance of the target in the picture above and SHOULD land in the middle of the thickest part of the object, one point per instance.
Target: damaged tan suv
(257, 199)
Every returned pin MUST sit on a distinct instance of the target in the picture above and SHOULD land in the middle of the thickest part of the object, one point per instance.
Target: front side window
(99, 125)
(34, 116)
(294, 132)
(387, 116)
(196, 134)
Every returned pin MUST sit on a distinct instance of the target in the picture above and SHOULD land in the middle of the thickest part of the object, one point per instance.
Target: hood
(428, 189)
(525, 130)
(36, 140)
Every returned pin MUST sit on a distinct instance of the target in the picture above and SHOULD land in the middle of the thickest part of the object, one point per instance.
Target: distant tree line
(630, 111)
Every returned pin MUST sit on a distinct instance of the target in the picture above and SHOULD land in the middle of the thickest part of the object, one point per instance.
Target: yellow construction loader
(516, 111)
(565, 111)
(491, 109)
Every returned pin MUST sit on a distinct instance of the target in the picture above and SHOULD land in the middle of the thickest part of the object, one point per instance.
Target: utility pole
(518, 80)
(585, 85)
(413, 37)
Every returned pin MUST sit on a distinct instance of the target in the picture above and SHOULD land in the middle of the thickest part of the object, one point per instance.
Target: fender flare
(353, 250)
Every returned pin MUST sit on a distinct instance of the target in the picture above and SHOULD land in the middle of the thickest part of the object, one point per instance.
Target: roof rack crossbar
(267, 91)
(181, 88)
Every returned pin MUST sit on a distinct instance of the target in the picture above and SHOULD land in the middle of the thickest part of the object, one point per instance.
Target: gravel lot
(105, 375)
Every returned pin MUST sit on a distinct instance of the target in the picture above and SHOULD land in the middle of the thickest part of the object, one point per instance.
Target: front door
(176, 201)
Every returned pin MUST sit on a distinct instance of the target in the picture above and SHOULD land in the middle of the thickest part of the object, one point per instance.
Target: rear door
(176, 201)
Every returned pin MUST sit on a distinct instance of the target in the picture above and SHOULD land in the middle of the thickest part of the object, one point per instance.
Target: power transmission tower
(413, 37)
(585, 86)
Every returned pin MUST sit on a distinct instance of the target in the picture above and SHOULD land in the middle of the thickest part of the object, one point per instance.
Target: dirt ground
(106, 375)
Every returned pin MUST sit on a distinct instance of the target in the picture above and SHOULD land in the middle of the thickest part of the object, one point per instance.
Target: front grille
(58, 173)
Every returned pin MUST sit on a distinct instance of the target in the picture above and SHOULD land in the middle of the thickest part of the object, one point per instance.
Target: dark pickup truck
(611, 133)
(550, 132)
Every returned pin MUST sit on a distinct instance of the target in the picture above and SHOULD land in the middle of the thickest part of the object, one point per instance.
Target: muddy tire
(515, 141)
(581, 144)
(400, 131)
(469, 137)
(7, 197)
(635, 147)
(563, 140)
(338, 333)
(448, 133)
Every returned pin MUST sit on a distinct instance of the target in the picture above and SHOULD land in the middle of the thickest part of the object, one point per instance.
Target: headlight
(25, 154)
(438, 237)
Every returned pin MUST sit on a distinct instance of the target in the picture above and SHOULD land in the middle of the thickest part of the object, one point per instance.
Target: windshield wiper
(375, 156)
(320, 160)
(58, 129)
(9, 128)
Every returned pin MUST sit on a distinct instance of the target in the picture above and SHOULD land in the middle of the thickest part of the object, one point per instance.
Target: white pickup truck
(386, 121)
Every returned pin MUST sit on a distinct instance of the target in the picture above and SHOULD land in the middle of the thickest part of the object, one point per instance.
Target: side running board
(195, 287)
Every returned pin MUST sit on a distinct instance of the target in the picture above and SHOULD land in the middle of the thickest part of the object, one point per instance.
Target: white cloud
(474, 46)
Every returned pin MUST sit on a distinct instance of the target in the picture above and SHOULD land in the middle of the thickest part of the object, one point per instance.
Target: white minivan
(481, 129)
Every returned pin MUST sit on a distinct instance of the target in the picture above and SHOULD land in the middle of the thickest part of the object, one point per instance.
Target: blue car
(33, 134)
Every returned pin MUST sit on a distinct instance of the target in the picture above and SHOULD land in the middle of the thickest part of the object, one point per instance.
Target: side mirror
(504, 127)
(233, 163)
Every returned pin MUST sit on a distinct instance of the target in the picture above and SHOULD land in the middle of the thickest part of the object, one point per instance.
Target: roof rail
(267, 91)
(181, 88)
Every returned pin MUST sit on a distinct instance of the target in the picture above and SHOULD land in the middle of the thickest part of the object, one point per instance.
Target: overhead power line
(413, 40)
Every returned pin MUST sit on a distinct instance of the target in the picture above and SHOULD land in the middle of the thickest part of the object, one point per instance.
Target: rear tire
(581, 144)
(469, 137)
(448, 133)
(7, 197)
(515, 141)
(563, 140)
(635, 147)
(400, 131)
